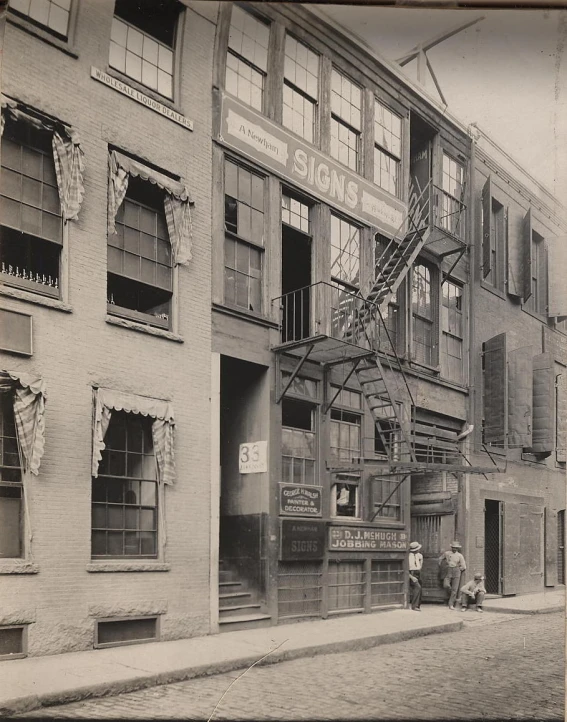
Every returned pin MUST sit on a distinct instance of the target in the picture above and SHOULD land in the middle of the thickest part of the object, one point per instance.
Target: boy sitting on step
(473, 590)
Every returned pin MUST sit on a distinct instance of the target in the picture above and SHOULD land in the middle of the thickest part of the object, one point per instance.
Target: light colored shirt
(415, 561)
(454, 559)
(473, 587)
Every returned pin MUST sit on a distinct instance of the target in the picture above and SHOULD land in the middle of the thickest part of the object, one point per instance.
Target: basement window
(12, 642)
(133, 630)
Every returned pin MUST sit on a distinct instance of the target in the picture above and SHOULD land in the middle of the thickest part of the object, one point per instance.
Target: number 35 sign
(253, 457)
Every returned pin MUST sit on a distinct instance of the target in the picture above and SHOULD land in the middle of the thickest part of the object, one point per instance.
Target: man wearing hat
(455, 565)
(415, 565)
(473, 590)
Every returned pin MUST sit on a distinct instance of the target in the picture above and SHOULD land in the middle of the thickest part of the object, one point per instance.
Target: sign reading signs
(253, 457)
(298, 500)
(135, 94)
(287, 155)
(358, 539)
(301, 539)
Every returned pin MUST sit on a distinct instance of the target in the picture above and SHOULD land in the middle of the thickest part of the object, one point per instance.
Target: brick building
(104, 536)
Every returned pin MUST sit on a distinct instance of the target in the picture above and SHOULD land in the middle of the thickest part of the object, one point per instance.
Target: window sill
(35, 298)
(44, 35)
(17, 566)
(393, 524)
(127, 80)
(124, 566)
(250, 316)
(492, 289)
(142, 328)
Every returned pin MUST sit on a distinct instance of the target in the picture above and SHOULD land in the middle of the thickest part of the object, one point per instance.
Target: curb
(542, 610)
(19, 705)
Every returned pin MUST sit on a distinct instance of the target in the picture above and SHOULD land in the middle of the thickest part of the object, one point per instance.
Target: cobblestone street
(498, 667)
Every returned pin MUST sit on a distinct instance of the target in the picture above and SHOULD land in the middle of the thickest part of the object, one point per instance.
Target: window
(301, 88)
(296, 214)
(247, 57)
(453, 190)
(347, 585)
(299, 589)
(11, 492)
(537, 302)
(345, 252)
(391, 317)
(53, 15)
(387, 148)
(452, 332)
(31, 234)
(298, 442)
(140, 268)
(244, 225)
(142, 42)
(124, 496)
(435, 438)
(423, 315)
(13, 642)
(117, 632)
(346, 447)
(346, 120)
(345, 496)
(494, 243)
(387, 496)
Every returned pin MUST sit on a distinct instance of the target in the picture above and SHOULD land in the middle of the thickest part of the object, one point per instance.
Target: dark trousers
(415, 590)
(452, 583)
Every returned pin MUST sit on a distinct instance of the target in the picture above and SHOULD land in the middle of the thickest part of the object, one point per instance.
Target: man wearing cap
(415, 565)
(455, 566)
(473, 590)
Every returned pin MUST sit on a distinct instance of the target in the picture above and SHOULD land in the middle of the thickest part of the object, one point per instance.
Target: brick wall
(74, 350)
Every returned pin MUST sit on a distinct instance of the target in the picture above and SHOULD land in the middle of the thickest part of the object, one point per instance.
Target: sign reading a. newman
(295, 160)
(358, 539)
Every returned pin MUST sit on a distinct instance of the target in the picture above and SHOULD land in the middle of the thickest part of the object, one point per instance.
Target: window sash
(299, 112)
(50, 14)
(345, 143)
(386, 171)
(385, 136)
(243, 274)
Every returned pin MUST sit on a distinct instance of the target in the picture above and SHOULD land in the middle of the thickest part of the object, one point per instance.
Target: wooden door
(435, 533)
(510, 548)
(531, 548)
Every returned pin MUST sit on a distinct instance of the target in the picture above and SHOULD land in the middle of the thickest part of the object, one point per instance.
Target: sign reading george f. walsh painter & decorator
(299, 162)
(300, 500)
(358, 539)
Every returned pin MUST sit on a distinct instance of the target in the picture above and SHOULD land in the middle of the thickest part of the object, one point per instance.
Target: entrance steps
(238, 607)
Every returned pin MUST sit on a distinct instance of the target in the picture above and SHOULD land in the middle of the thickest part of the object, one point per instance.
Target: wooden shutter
(527, 255)
(543, 404)
(495, 391)
(486, 226)
(561, 416)
(514, 258)
(550, 547)
(557, 275)
(520, 396)
(510, 547)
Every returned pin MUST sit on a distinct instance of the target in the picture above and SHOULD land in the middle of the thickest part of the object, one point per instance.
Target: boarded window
(299, 589)
(347, 586)
(543, 405)
(126, 631)
(495, 391)
(387, 583)
(520, 392)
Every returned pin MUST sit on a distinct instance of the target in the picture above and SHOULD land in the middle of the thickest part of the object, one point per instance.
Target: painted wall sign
(287, 155)
(253, 457)
(299, 500)
(356, 539)
(135, 94)
(301, 539)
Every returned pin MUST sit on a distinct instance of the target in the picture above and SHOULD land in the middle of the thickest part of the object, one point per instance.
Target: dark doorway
(421, 166)
(296, 282)
(492, 545)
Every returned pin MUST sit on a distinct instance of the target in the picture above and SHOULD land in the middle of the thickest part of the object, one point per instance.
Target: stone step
(231, 600)
(239, 610)
(245, 621)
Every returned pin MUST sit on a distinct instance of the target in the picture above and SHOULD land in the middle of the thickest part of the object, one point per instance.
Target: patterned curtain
(69, 168)
(117, 187)
(162, 434)
(179, 226)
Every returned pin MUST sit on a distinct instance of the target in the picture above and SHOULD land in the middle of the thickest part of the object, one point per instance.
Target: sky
(507, 73)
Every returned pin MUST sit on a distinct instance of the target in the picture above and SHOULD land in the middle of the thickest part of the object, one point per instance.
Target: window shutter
(527, 255)
(550, 547)
(520, 394)
(557, 273)
(514, 260)
(495, 391)
(561, 417)
(543, 404)
(486, 224)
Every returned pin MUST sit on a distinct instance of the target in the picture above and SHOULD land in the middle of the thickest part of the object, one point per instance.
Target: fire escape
(329, 325)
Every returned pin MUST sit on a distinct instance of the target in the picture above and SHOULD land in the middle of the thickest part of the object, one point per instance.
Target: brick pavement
(498, 666)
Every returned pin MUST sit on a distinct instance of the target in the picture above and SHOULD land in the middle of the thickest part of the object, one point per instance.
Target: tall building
(105, 323)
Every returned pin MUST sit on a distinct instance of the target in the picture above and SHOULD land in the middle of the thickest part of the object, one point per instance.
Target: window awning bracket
(328, 405)
(461, 253)
(296, 370)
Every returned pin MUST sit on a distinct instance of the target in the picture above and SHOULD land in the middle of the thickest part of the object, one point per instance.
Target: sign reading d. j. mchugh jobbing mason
(135, 94)
(366, 539)
(287, 155)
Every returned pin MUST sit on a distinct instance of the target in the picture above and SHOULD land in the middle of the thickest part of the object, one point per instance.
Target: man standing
(473, 591)
(455, 565)
(415, 565)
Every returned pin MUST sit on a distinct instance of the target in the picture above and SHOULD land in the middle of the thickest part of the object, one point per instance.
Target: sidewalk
(544, 603)
(27, 684)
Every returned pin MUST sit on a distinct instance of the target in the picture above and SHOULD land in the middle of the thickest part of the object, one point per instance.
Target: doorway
(492, 545)
(421, 166)
(296, 270)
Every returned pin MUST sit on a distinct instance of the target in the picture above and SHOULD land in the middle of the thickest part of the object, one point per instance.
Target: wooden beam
(414, 52)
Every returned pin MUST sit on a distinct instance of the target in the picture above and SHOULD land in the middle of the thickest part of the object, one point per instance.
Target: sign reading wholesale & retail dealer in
(365, 539)
(300, 500)
(299, 162)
